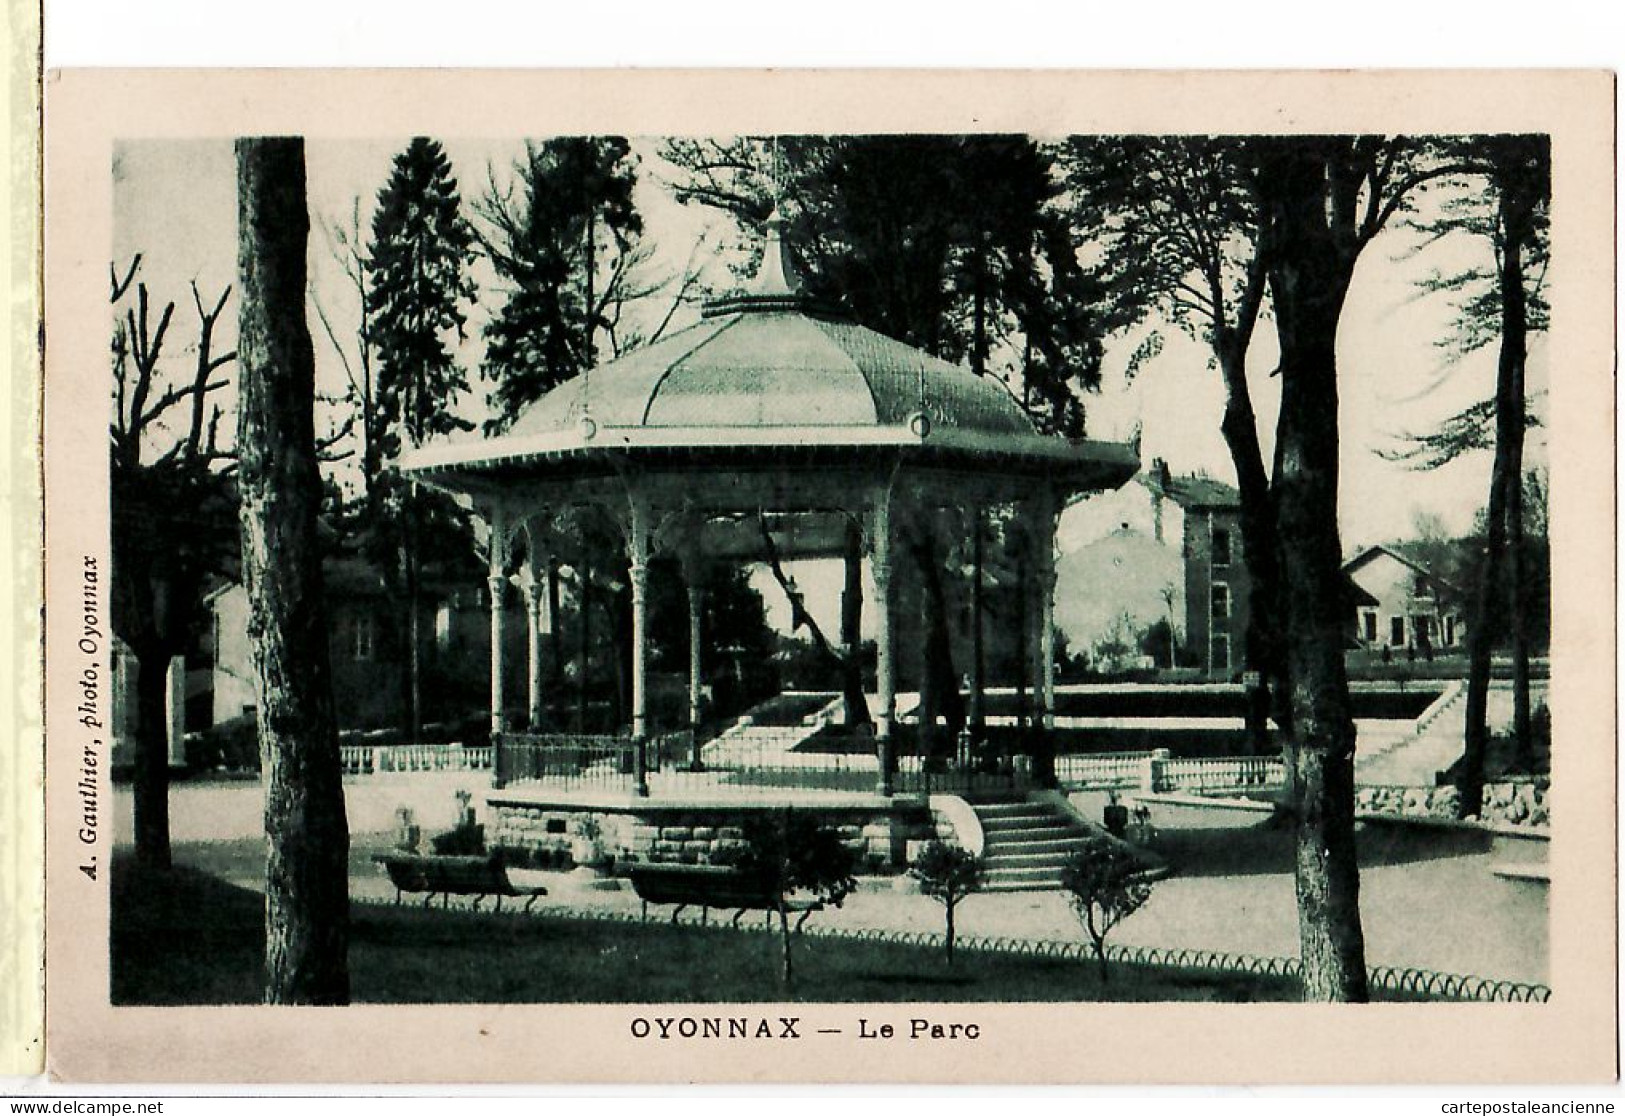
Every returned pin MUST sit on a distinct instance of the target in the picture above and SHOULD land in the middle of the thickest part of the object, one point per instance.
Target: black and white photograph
(685, 572)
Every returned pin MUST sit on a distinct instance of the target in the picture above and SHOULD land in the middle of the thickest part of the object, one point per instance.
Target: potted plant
(586, 847)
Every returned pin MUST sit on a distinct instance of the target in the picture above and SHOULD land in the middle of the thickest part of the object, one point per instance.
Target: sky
(175, 203)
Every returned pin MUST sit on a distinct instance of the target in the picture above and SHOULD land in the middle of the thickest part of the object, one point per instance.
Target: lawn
(187, 937)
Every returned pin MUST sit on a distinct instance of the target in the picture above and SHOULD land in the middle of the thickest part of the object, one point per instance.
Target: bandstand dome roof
(747, 365)
(769, 369)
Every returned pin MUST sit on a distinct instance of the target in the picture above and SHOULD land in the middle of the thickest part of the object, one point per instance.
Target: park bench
(709, 885)
(445, 876)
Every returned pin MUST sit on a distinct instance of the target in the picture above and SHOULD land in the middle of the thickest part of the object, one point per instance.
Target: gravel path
(1428, 899)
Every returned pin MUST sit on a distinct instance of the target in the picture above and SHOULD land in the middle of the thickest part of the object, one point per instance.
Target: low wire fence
(1397, 981)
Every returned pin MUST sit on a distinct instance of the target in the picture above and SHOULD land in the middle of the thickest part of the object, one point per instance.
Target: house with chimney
(1163, 547)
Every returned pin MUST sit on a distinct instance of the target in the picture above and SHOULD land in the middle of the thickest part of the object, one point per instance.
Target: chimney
(1160, 481)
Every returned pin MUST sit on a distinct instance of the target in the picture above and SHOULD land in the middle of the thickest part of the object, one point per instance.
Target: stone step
(1004, 862)
(1014, 806)
(1019, 821)
(1032, 831)
(1020, 886)
(1024, 879)
(1063, 845)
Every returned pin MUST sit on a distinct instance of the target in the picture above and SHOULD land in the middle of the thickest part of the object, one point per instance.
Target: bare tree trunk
(978, 644)
(1506, 480)
(584, 607)
(950, 906)
(414, 621)
(784, 938)
(1517, 208)
(927, 717)
(854, 701)
(306, 875)
(151, 782)
(1259, 539)
(1023, 713)
(1522, 728)
(555, 639)
(1469, 770)
(938, 676)
(1309, 275)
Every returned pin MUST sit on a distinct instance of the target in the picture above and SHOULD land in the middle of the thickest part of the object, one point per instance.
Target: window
(1221, 651)
(1221, 548)
(1220, 602)
(1449, 631)
(1369, 620)
(1396, 631)
(363, 635)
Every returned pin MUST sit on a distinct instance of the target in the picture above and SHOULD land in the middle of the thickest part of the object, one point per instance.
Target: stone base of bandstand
(696, 828)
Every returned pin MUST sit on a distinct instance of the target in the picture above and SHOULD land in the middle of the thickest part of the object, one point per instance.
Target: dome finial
(778, 275)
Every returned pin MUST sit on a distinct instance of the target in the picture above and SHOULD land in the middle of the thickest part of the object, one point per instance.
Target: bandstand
(771, 414)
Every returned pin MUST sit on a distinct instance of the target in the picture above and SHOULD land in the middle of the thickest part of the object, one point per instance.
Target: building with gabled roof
(1404, 606)
(1165, 547)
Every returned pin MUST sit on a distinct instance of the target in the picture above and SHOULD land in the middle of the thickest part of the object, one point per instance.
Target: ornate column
(1047, 514)
(696, 614)
(497, 583)
(880, 548)
(691, 560)
(1043, 529)
(978, 654)
(637, 554)
(537, 622)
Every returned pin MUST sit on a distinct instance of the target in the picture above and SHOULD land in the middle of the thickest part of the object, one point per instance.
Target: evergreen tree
(418, 282)
(958, 245)
(418, 262)
(547, 246)
(1500, 305)
(563, 240)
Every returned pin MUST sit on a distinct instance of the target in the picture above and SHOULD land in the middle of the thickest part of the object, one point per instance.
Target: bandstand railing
(564, 759)
(771, 758)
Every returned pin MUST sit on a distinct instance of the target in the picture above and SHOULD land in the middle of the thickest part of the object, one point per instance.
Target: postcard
(1053, 577)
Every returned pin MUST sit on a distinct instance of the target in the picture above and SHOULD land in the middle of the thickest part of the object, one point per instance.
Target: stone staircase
(1026, 844)
(1414, 754)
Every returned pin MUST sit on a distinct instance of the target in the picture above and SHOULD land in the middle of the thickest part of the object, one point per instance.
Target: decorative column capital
(498, 585)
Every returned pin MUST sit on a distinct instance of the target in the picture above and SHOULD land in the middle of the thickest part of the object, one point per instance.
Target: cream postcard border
(1571, 1038)
(22, 787)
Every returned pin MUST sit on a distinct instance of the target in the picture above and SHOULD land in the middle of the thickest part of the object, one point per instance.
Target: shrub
(1102, 878)
(233, 745)
(787, 853)
(467, 839)
(948, 873)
